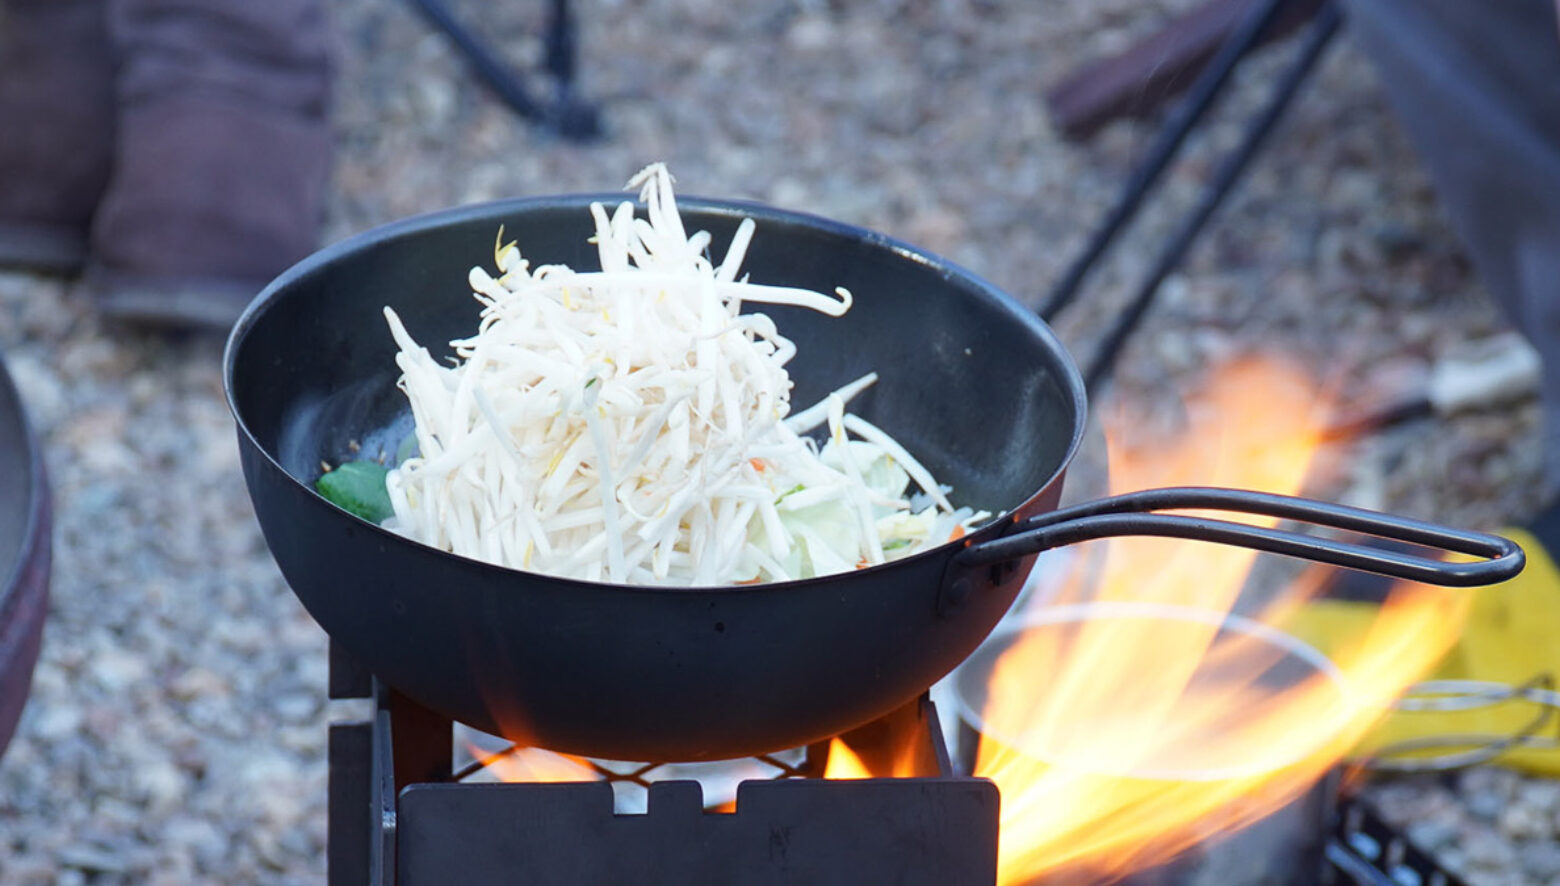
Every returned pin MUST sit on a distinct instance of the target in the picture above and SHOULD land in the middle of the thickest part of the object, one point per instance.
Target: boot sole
(50, 249)
(169, 301)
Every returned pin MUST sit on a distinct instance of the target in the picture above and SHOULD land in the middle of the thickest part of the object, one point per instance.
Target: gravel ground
(176, 731)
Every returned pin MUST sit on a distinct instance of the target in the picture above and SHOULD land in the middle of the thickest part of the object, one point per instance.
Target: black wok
(973, 384)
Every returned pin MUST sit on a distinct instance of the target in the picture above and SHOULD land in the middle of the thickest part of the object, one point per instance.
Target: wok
(25, 518)
(973, 384)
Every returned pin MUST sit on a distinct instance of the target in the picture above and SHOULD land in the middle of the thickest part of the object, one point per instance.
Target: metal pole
(1316, 41)
(1164, 149)
(569, 116)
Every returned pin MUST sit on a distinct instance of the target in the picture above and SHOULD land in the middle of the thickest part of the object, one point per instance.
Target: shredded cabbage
(630, 425)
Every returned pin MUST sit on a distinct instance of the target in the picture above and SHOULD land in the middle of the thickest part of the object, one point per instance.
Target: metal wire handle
(1468, 749)
(1130, 514)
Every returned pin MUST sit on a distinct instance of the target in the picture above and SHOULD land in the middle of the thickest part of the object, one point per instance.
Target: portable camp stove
(401, 813)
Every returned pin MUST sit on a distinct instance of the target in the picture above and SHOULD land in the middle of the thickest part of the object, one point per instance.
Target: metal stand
(1165, 148)
(566, 113)
(399, 815)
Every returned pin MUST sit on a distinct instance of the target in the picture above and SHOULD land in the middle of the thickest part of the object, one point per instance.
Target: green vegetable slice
(359, 487)
(793, 490)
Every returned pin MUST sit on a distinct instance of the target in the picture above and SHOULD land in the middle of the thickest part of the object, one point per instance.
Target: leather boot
(221, 159)
(56, 129)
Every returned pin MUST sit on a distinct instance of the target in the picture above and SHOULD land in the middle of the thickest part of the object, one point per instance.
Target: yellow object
(1511, 636)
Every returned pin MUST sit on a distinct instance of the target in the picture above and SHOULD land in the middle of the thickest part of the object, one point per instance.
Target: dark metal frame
(1366, 851)
(566, 112)
(1165, 147)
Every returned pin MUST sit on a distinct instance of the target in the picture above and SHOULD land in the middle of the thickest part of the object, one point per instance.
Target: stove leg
(424, 742)
(350, 799)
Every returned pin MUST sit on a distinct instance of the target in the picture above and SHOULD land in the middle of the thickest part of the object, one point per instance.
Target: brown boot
(209, 202)
(56, 129)
(221, 160)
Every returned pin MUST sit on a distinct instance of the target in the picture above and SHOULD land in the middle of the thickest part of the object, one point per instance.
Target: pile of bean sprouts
(632, 425)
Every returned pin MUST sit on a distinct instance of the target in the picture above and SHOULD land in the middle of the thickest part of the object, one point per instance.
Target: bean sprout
(629, 424)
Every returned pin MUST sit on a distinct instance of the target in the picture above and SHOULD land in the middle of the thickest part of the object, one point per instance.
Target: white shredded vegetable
(630, 424)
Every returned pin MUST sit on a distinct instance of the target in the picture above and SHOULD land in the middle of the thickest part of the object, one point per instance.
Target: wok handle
(1131, 514)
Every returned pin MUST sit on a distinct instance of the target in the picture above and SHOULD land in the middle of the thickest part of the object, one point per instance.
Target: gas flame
(526, 764)
(1134, 713)
(844, 762)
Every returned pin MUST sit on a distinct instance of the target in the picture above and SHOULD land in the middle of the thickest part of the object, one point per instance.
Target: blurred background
(176, 726)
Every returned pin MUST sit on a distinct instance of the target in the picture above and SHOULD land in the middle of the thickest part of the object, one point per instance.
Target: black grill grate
(1366, 851)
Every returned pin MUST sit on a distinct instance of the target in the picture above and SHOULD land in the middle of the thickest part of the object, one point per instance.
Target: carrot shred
(956, 534)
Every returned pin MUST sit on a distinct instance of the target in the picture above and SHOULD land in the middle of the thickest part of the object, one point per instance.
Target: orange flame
(1133, 714)
(533, 765)
(844, 762)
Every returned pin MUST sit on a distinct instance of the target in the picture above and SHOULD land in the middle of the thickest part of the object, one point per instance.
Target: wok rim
(1069, 378)
(35, 506)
